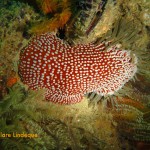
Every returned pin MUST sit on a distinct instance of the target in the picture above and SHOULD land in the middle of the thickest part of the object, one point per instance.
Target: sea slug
(68, 72)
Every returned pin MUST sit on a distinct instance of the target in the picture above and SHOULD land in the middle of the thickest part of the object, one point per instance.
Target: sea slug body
(67, 73)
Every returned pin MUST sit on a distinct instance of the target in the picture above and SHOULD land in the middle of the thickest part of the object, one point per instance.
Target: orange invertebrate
(61, 14)
(11, 81)
(48, 6)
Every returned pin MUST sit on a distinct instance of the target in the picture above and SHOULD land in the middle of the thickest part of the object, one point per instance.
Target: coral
(48, 6)
(11, 81)
(139, 10)
(52, 24)
(59, 18)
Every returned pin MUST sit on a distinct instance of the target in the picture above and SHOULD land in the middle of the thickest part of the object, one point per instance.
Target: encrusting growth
(67, 73)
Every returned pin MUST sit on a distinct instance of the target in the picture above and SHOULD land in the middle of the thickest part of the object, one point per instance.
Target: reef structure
(68, 72)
